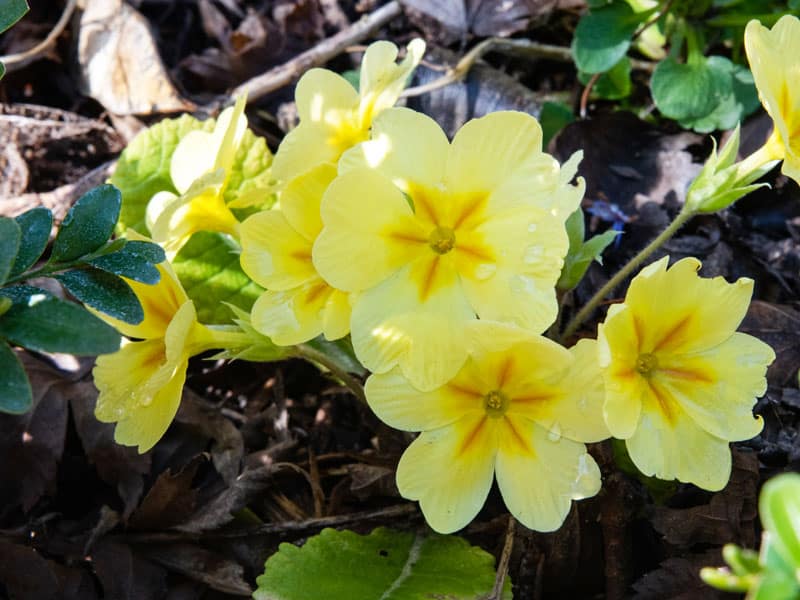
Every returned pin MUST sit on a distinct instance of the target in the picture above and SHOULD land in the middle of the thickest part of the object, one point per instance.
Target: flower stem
(624, 272)
(314, 355)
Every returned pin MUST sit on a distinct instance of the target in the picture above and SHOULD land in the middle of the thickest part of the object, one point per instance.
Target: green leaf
(688, 90)
(386, 564)
(581, 254)
(614, 84)
(135, 260)
(104, 292)
(208, 267)
(603, 36)
(9, 246)
(341, 352)
(249, 186)
(739, 98)
(15, 389)
(88, 224)
(35, 226)
(553, 117)
(11, 11)
(779, 506)
(40, 321)
(2, 69)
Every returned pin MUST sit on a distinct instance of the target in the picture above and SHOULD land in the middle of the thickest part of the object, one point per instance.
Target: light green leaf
(614, 84)
(104, 292)
(11, 11)
(688, 90)
(249, 186)
(35, 226)
(738, 99)
(603, 36)
(143, 167)
(88, 224)
(9, 246)
(40, 321)
(135, 260)
(779, 506)
(581, 254)
(15, 389)
(384, 565)
(208, 267)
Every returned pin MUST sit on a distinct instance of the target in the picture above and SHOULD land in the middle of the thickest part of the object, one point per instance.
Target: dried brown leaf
(170, 501)
(200, 564)
(779, 326)
(679, 579)
(26, 574)
(126, 576)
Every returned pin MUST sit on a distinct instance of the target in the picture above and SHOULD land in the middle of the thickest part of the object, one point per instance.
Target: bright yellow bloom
(680, 381)
(200, 169)
(774, 56)
(141, 384)
(432, 234)
(276, 253)
(334, 117)
(519, 409)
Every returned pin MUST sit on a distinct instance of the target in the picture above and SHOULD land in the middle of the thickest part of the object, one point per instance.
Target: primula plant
(429, 274)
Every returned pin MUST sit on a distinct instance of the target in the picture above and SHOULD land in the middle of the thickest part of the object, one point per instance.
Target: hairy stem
(314, 355)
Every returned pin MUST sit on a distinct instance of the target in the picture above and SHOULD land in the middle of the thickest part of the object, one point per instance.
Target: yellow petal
(539, 475)
(228, 133)
(719, 387)
(408, 147)
(402, 406)
(668, 444)
(369, 220)
(194, 156)
(322, 96)
(301, 199)
(392, 324)
(292, 316)
(677, 311)
(449, 470)
(336, 315)
(303, 148)
(274, 255)
(381, 80)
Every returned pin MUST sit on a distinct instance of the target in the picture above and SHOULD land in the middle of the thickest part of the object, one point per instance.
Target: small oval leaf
(9, 246)
(104, 292)
(40, 321)
(136, 260)
(88, 224)
(35, 226)
(15, 389)
(603, 36)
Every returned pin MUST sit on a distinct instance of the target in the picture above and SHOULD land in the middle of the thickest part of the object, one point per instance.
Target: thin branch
(14, 62)
(505, 557)
(274, 79)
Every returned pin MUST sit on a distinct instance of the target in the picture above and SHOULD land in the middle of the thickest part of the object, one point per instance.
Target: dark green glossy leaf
(40, 321)
(603, 36)
(35, 226)
(88, 224)
(136, 260)
(9, 246)
(11, 11)
(105, 292)
(15, 389)
(553, 118)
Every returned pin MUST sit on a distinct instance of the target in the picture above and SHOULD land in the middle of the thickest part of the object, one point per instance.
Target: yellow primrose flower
(680, 381)
(276, 253)
(333, 116)
(200, 170)
(141, 384)
(774, 56)
(519, 410)
(432, 234)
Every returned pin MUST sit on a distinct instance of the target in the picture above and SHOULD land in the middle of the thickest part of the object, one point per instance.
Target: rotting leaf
(678, 579)
(25, 573)
(120, 62)
(217, 572)
(126, 576)
(170, 501)
(779, 326)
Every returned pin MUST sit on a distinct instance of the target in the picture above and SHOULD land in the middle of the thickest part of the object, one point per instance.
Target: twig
(505, 557)
(258, 87)
(14, 62)
(585, 95)
(517, 47)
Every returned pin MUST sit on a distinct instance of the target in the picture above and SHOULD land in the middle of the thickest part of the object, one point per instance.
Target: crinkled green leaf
(88, 224)
(143, 167)
(11, 11)
(9, 246)
(249, 188)
(689, 90)
(261, 348)
(384, 565)
(738, 100)
(15, 389)
(35, 226)
(40, 321)
(603, 36)
(614, 84)
(208, 267)
(135, 260)
(104, 292)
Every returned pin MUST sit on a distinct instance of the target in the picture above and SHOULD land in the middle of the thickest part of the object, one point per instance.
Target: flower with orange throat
(680, 381)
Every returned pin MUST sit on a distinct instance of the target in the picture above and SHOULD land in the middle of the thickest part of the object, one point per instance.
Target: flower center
(442, 240)
(495, 403)
(646, 364)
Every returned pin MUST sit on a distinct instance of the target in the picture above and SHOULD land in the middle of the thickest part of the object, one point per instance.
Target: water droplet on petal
(587, 483)
(532, 228)
(533, 254)
(583, 402)
(555, 432)
(521, 284)
(485, 270)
